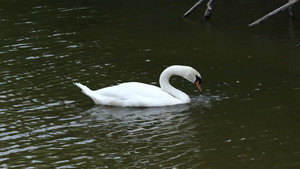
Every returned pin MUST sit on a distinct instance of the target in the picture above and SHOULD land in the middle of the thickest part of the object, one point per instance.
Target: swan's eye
(198, 79)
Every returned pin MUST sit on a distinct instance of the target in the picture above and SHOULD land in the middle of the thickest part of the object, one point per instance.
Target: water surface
(247, 116)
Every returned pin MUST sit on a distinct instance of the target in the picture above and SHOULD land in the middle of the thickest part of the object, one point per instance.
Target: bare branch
(282, 8)
(209, 9)
(193, 8)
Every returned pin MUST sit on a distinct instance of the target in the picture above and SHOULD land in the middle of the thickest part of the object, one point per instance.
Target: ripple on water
(39, 134)
(147, 136)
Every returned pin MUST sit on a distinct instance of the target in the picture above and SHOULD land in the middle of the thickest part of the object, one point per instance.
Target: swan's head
(194, 76)
(187, 72)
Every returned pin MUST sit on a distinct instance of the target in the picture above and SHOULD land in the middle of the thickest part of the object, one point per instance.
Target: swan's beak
(198, 82)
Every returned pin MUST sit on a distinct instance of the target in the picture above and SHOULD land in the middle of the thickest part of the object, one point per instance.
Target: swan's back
(134, 94)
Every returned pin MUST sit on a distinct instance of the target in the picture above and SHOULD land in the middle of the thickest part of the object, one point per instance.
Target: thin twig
(290, 9)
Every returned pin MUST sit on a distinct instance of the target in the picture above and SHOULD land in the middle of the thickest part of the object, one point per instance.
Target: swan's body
(135, 94)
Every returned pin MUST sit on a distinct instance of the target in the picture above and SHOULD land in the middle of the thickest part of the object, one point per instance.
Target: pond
(246, 117)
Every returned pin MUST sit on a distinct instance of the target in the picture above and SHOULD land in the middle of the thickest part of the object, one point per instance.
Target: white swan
(135, 94)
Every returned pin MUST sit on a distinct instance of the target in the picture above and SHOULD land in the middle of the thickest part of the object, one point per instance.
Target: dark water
(247, 116)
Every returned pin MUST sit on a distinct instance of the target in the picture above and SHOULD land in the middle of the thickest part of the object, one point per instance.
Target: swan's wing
(136, 95)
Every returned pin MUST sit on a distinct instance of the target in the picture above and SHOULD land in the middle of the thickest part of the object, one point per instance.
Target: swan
(135, 94)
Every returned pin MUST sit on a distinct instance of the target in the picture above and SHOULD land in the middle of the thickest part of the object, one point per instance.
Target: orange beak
(198, 85)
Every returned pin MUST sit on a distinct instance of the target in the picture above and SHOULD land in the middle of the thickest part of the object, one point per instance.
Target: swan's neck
(167, 87)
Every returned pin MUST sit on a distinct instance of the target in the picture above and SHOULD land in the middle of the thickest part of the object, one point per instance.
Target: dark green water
(247, 116)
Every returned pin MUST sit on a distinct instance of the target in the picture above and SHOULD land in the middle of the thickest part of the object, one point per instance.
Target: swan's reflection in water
(100, 113)
(139, 122)
(104, 113)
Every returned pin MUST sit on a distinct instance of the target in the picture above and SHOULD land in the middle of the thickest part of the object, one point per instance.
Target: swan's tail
(90, 93)
(84, 89)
